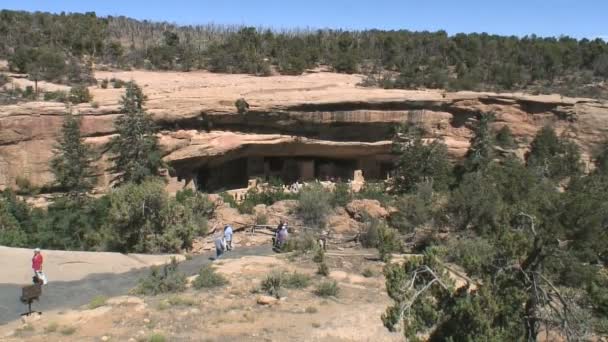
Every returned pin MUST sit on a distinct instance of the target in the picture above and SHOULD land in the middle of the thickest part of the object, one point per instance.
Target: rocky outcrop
(320, 114)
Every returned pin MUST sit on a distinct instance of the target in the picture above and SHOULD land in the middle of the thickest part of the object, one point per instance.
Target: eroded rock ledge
(321, 115)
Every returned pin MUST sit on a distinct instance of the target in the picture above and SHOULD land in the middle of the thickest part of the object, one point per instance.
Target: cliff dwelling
(236, 173)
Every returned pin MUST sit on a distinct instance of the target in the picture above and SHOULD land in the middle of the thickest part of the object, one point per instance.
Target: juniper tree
(136, 151)
(504, 138)
(71, 164)
(419, 161)
(553, 157)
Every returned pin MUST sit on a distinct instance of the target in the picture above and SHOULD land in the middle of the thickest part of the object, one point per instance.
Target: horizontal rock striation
(320, 114)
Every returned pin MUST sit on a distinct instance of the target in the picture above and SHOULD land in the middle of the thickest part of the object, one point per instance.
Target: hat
(37, 250)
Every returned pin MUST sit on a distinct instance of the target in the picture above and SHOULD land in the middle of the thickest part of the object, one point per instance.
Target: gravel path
(72, 294)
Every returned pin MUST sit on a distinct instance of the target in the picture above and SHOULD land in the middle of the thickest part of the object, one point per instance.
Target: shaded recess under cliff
(237, 158)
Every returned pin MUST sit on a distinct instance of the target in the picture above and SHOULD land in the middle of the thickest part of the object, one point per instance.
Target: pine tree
(481, 151)
(71, 164)
(136, 151)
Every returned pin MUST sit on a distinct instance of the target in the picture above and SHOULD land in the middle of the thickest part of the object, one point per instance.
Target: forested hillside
(52, 46)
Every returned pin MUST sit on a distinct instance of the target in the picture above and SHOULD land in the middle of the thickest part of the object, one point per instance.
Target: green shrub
(314, 205)
(57, 96)
(242, 106)
(29, 93)
(80, 94)
(3, 79)
(473, 254)
(296, 280)
(327, 289)
(273, 284)
(368, 272)
(261, 219)
(181, 301)
(157, 338)
(67, 330)
(301, 243)
(117, 83)
(504, 138)
(97, 302)
(165, 279)
(342, 195)
(413, 210)
(374, 191)
(267, 196)
(208, 278)
(228, 199)
(323, 269)
(104, 83)
(319, 256)
(164, 224)
(378, 235)
(370, 236)
(25, 186)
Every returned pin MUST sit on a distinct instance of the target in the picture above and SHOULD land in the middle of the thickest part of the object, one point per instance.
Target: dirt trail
(71, 294)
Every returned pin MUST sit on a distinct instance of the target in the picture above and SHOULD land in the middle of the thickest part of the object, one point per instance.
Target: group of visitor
(223, 242)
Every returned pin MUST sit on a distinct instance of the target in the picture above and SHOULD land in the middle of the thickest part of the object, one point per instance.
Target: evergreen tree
(553, 157)
(419, 161)
(136, 151)
(481, 150)
(504, 138)
(601, 160)
(71, 164)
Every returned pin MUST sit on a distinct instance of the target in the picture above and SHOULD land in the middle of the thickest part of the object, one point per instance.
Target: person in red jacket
(37, 261)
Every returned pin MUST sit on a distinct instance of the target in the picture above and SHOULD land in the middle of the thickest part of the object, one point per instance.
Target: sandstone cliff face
(321, 114)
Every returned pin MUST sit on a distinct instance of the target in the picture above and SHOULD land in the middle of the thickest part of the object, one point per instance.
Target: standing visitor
(228, 236)
(282, 236)
(220, 247)
(37, 261)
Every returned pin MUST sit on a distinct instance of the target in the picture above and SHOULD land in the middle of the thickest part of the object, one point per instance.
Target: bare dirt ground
(231, 312)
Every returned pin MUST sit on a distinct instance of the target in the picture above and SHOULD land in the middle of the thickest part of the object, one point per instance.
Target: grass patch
(327, 289)
(51, 328)
(157, 338)
(182, 301)
(67, 330)
(163, 305)
(273, 284)
(162, 280)
(209, 278)
(97, 302)
(296, 280)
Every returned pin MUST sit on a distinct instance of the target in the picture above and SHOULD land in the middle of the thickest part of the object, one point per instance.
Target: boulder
(266, 300)
(359, 208)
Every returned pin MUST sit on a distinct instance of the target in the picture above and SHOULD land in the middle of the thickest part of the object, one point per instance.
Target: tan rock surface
(361, 207)
(321, 113)
(16, 264)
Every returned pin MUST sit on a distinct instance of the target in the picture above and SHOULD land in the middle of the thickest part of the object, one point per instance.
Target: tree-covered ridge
(400, 59)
